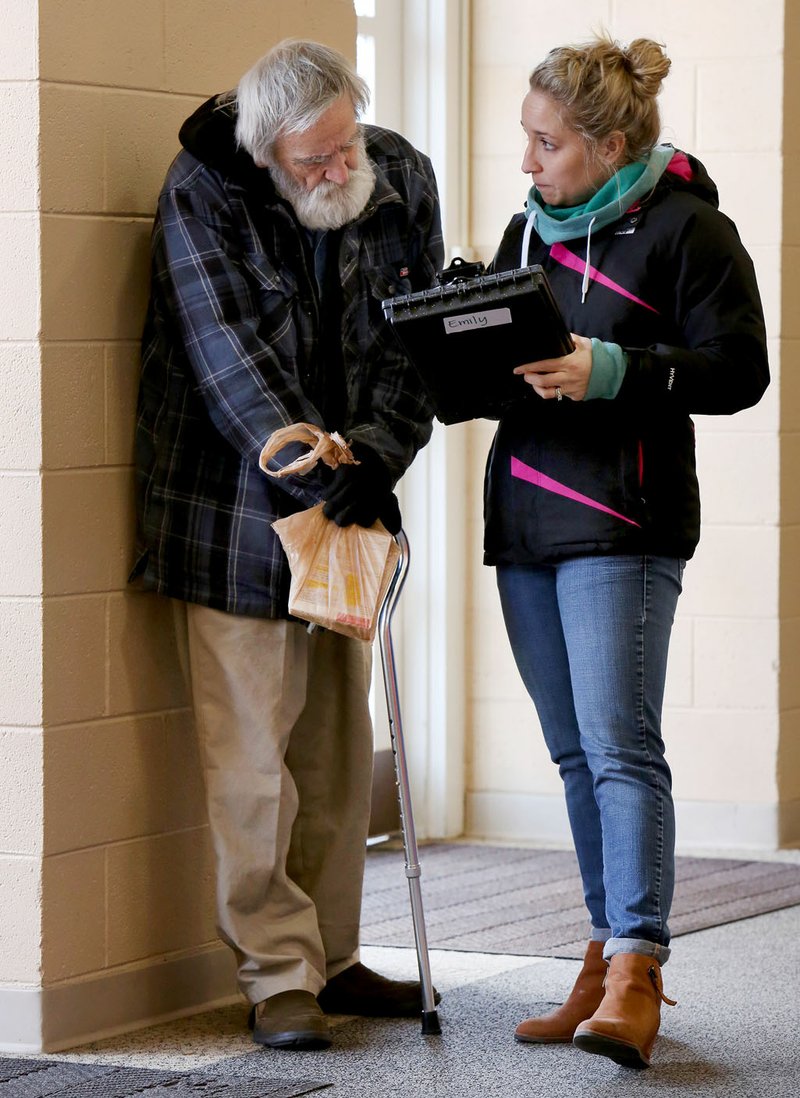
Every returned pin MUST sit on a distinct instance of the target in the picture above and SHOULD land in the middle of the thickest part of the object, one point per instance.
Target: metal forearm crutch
(430, 1017)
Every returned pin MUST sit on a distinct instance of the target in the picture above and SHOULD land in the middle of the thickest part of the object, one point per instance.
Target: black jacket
(673, 285)
(234, 349)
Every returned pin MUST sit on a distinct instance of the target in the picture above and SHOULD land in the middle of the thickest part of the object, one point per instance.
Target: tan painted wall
(105, 869)
(731, 713)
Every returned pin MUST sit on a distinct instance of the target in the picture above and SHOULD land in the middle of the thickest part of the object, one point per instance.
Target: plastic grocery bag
(340, 574)
(328, 448)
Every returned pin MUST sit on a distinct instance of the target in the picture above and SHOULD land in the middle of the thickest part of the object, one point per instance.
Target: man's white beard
(329, 205)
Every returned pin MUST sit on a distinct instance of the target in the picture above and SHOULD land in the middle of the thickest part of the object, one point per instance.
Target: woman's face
(557, 158)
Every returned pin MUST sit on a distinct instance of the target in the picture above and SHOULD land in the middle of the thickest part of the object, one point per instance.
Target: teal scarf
(608, 204)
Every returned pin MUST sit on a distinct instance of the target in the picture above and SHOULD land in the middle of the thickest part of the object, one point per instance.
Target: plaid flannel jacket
(230, 353)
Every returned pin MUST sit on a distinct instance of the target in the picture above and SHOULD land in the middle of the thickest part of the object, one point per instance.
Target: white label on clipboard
(466, 322)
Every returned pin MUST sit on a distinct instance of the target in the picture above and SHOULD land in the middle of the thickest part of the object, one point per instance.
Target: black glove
(363, 493)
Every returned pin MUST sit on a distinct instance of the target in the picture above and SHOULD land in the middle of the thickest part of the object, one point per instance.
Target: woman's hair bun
(648, 64)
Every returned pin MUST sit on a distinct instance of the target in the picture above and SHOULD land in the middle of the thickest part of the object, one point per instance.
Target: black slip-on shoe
(291, 1020)
(359, 990)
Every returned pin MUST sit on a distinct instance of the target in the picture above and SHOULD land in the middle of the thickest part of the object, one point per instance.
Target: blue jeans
(590, 637)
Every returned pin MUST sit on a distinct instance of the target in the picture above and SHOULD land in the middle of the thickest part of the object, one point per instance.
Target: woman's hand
(554, 378)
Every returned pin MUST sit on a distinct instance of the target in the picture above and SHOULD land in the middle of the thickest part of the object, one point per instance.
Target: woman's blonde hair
(603, 86)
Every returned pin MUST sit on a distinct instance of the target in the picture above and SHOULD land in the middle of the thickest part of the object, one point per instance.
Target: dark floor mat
(34, 1078)
(489, 899)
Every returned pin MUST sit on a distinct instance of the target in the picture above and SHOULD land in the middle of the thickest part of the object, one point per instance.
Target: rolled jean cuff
(600, 933)
(658, 952)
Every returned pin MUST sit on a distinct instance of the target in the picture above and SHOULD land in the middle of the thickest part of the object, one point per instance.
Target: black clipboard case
(465, 338)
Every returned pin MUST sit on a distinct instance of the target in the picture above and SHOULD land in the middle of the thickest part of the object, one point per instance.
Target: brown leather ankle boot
(625, 1024)
(583, 1000)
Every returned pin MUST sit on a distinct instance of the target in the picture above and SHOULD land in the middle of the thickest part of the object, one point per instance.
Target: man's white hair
(288, 90)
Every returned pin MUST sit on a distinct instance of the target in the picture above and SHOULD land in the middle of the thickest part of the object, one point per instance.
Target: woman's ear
(612, 148)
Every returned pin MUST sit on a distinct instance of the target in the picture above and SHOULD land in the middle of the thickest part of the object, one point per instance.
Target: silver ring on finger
(558, 392)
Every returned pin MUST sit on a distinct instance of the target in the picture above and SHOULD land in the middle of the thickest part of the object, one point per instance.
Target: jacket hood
(210, 136)
(686, 173)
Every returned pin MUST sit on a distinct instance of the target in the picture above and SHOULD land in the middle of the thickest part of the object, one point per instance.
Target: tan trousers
(286, 743)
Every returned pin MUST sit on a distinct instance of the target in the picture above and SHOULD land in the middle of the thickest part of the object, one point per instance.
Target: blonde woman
(592, 504)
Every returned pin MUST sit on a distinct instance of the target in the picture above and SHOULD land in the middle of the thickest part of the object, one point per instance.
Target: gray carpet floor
(494, 899)
(733, 1034)
(42, 1078)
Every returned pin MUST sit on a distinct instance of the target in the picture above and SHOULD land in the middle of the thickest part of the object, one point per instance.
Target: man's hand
(363, 493)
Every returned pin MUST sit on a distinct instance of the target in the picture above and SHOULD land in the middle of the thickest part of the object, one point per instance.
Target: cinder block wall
(105, 867)
(731, 712)
(21, 626)
(788, 763)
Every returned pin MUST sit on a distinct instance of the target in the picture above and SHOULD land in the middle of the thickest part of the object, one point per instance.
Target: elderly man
(281, 226)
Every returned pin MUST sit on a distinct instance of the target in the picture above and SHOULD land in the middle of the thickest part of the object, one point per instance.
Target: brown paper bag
(340, 574)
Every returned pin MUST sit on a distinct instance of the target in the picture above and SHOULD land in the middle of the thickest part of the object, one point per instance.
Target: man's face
(324, 172)
(326, 152)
